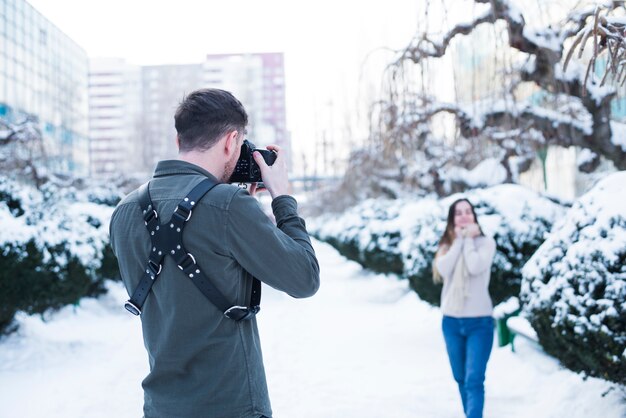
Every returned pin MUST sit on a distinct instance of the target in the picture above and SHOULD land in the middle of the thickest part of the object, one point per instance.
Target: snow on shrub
(375, 247)
(426, 221)
(574, 287)
(54, 245)
(402, 235)
(103, 194)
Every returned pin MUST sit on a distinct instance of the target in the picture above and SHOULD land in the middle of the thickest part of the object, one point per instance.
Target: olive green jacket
(203, 364)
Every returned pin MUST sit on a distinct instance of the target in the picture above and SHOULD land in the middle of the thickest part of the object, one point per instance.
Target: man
(203, 363)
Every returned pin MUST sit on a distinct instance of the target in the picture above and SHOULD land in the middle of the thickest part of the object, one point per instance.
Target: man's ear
(231, 143)
(178, 143)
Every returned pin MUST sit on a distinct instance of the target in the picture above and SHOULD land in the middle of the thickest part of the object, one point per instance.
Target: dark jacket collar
(176, 167)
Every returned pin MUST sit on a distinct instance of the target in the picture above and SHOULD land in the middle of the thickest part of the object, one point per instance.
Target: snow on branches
(574, 286)
(585, 124)
(607, 34)
(22, 150)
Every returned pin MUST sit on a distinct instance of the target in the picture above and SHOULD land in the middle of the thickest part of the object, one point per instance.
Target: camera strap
(167, 239)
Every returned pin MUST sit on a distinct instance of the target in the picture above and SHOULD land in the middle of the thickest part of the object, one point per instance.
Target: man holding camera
(191, 251)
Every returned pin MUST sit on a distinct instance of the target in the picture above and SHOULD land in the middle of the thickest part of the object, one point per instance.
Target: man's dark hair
(205, 115)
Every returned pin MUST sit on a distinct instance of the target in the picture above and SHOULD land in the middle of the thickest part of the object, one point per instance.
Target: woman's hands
(469, 231)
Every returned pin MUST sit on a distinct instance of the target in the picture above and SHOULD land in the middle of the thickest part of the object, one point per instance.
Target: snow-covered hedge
(375, 247)
(574, 287)
(54, 247)
(401, 236)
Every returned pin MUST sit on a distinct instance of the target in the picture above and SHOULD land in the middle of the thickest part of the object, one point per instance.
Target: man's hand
(274, 176)
(256, 189)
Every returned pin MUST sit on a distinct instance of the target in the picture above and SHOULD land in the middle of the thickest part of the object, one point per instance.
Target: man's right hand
(274, 176)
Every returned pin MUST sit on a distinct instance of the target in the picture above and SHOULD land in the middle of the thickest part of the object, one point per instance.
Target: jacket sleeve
(279, 255)
(478, 253)
(445, 263)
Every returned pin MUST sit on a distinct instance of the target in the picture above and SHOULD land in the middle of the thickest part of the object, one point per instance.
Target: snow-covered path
(364, 346)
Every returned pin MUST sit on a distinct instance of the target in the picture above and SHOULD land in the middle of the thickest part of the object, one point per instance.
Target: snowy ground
(364, 346)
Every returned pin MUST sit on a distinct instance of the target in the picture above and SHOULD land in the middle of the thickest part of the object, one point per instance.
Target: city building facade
(162, 89)
(43, 76)
(258, 80)
(115, 143)
(132, 123)
(104, 116)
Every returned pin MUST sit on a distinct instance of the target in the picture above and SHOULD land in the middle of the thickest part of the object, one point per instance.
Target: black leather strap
(155, 261)
(166, 239)
(255, 296)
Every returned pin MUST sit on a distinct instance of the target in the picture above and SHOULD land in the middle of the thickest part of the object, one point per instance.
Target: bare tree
(22, 150)
(576, 109)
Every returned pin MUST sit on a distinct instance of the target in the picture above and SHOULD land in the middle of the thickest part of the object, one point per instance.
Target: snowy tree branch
(608, 34)
(424, 46)
(545, 48)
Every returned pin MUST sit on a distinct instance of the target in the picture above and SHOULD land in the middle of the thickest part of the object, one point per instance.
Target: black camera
(247, 170)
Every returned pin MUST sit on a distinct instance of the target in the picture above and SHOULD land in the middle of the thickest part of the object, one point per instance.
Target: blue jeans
(469, 342)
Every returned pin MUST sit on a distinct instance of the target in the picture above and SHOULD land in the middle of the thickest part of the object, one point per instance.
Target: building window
(43, 37)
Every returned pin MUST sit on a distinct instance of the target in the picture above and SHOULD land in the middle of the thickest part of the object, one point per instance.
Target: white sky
(325, 44)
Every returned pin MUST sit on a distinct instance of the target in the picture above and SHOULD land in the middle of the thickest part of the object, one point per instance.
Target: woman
(463, 263)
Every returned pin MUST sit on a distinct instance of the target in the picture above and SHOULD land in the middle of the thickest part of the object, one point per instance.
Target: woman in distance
(463, 263)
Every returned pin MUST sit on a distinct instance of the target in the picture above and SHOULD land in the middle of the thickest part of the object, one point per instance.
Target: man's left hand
(254, 189)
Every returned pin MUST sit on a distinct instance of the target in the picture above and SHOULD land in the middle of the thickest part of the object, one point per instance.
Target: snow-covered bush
(374, 247)
(428, 221)
(54, 246)
(401, 236)
(104, 194)
(574, 287)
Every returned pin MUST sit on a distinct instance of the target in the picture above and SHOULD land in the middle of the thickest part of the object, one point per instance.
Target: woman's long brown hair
(448, 235)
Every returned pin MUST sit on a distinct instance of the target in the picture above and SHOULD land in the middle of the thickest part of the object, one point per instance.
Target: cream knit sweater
(477, 256)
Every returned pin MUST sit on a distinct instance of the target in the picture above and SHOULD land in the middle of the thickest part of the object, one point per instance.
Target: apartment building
(43, 76)
(115, 137)
(145, 110)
